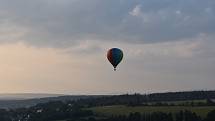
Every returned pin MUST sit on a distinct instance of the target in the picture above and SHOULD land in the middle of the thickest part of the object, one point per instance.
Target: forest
(188, 106)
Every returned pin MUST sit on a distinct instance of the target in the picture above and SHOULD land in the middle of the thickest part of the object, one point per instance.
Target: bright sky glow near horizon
(59, 46)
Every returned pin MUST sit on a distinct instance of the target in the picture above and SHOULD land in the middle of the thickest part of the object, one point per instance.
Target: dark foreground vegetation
(114, 100)
(86, 109)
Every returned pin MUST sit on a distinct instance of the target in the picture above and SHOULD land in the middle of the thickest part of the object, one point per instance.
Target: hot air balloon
(114, 55)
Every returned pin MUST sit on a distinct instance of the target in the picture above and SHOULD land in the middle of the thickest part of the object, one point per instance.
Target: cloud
(65, 23)
(179, 65)
(136, 11)
(153, 67)
(164, 41)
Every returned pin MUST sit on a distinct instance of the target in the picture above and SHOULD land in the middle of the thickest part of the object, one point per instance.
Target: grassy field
(181, 102)
(123, 110)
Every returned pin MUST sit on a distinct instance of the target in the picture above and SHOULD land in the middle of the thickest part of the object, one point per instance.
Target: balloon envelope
(115, 56)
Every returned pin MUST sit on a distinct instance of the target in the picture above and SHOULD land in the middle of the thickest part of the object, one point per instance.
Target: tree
(211, 116)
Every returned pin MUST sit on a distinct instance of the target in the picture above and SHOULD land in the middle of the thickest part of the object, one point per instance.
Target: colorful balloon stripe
(115, 56)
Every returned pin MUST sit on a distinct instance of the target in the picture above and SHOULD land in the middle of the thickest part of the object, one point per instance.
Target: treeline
(126, 99)
(181, 96)
(6, 104)
(51, 111)
(158, 98)
(72, 111)
(157, 116)
(76, 110)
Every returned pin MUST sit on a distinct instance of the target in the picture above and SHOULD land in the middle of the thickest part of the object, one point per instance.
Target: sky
(60, 46)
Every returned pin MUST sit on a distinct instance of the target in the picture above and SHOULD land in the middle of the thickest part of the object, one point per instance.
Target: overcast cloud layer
(65, 22)
(168, 44)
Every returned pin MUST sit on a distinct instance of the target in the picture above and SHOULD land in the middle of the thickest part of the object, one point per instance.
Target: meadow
(126, 110)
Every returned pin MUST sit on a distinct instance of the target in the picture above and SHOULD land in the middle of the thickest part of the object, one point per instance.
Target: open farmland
(124, 110)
